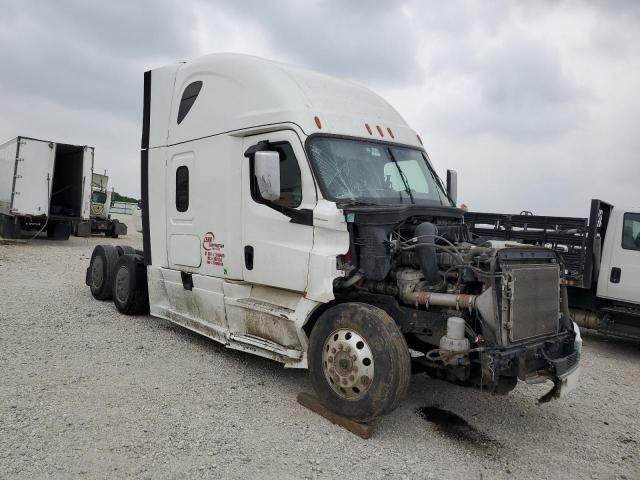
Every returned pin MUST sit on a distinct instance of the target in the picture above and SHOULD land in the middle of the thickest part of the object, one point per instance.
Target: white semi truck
(44, 184)
(101, 221)
(601, 255)
(298, 217)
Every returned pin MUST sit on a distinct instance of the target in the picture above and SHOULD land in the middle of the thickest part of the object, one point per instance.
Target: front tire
(359, 362)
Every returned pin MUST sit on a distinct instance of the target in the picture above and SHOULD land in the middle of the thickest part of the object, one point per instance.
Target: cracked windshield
(366, 172)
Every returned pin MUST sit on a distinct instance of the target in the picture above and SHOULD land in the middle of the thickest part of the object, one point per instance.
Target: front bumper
(556, 358)
(565, 383)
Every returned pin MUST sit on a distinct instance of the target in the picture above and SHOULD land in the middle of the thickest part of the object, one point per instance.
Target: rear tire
(125, 250)
(359, 362)
(130, 293)
(101, 270)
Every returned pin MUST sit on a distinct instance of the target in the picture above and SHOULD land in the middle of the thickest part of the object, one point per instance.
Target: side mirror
(267, 171)
(452, 185)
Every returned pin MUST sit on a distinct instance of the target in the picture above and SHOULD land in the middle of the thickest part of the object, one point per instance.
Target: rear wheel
(101, 270)
(359, 363)
(125, 250)
(130, 294)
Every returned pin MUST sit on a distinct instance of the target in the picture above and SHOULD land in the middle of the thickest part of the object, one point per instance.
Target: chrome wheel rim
(348, 364)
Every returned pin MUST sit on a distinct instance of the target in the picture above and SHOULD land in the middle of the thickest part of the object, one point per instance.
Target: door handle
(615, 275)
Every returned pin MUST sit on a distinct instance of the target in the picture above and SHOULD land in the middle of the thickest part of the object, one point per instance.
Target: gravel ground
(87, 392)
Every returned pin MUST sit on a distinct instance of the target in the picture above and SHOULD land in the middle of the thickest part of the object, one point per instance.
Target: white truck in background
(298, 217)
(600, 253)
(44, 185)
(101, 221)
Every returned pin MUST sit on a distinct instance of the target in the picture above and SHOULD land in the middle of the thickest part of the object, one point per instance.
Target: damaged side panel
(260, 320)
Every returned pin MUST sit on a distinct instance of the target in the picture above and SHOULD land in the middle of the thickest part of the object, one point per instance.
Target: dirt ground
(88, 393)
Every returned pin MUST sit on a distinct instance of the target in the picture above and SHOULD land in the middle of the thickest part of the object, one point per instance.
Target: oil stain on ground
(457, 427)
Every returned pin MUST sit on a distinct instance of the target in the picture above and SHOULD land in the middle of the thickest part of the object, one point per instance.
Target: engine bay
(473, 311)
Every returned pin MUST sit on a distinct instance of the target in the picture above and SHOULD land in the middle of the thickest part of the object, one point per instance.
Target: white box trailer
(44, 184)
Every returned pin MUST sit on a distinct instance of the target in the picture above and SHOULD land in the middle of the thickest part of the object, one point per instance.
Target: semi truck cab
(298, 217)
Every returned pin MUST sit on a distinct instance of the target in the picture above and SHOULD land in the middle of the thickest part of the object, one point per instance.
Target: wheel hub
(122, 284)
(348, 364)
(96, 272)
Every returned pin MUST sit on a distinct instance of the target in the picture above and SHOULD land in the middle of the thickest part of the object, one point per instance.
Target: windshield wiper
(353, 201)
(402, 176)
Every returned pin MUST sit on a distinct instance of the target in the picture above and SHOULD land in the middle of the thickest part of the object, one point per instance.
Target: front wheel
(359, 362)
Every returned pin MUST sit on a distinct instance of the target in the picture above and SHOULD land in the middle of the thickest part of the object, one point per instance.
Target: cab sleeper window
(631, 231)
(188, 99)
(290, 178)
(182, 188)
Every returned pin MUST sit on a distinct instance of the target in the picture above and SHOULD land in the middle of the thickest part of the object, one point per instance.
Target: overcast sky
(536, 104)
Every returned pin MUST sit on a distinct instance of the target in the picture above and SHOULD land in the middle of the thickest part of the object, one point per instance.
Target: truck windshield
(98, 197)
(357, 171)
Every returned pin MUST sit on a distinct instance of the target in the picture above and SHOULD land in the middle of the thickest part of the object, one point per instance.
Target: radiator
(534, 303)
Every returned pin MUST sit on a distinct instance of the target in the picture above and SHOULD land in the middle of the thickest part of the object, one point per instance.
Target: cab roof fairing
(243, 91)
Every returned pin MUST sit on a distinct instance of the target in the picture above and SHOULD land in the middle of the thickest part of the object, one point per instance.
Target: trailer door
(87, 176)
(33, 177)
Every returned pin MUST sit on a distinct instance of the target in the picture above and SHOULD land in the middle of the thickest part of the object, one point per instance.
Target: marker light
(317, 120)
(390, 132)
(379, 130)
(368, 128)
(419, 139)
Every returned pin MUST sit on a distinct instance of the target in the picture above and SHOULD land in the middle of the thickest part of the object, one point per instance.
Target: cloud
(370, 42)
(535, 103)
(72, 72)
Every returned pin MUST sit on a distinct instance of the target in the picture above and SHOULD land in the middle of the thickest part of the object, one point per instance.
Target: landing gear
(359, 363)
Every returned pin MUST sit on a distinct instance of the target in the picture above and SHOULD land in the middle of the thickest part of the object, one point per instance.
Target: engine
(455, 296)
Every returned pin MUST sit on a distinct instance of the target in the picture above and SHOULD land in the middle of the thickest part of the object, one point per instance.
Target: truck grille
(534, 307)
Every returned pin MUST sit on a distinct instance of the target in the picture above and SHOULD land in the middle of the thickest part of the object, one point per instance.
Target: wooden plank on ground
(311, 402)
